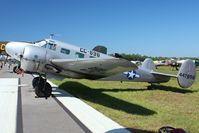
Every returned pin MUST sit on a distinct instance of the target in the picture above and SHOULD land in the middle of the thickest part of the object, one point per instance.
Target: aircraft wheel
(15, 69)
(48, 90)
(35, 81)
(150, 87)
(40, 91)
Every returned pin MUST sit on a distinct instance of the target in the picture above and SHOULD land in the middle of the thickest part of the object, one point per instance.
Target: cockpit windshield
(40, 43)
(46, 44)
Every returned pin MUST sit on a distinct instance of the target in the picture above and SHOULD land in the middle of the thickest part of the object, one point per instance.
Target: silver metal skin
(62, 59)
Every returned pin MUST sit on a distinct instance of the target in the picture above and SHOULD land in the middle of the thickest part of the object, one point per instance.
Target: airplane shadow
(97, 96)
(172, 89)
(155, 87)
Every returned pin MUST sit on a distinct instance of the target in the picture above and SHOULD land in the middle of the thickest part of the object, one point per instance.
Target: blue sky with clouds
(148, 27)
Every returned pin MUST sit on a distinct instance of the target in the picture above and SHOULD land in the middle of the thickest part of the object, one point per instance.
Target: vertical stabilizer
(148, 64)
(187, 74)
(101, 49)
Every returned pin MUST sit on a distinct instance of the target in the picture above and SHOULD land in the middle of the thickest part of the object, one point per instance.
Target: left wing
(95, 66)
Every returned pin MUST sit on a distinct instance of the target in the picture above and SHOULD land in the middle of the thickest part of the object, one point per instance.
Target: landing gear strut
(42, 87)
(151, 87)
(18, 69)
(15, 69)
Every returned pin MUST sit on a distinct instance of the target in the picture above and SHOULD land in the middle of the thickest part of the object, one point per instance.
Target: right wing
(99, 67)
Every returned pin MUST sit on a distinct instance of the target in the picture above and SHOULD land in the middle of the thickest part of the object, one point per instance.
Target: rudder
(187, 74)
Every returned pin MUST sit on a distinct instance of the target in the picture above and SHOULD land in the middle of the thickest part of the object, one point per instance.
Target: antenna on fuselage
(52, 36)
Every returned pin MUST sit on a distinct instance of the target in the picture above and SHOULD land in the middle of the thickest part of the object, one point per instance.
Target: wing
(94, 66)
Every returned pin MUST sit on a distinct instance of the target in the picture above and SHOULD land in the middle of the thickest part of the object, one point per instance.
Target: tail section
(148, 64)
(101, 49)
(187, 74)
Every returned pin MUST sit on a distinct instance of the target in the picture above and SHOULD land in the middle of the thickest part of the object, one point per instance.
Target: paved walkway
(60, 114)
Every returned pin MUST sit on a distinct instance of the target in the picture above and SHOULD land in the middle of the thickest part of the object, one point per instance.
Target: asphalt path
(38, 115)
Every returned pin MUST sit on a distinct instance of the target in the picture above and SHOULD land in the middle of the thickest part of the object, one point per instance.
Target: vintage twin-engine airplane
(52, 57)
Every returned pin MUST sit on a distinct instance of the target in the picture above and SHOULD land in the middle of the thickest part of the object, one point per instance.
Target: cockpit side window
(44, 46)
(51, 46)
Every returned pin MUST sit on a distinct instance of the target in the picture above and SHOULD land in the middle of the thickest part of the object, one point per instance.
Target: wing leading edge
(95, 66)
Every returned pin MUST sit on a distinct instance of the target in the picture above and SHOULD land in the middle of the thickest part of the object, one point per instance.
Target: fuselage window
(65, 51)
(79, 55)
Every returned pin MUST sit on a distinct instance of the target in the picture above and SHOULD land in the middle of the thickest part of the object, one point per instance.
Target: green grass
(141, 110)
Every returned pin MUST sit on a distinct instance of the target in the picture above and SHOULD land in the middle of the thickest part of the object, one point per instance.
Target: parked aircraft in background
(136, 62)
(2, 47)
(160, 63)
(52, 57)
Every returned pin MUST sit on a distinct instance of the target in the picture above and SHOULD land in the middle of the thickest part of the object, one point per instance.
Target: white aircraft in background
(50, 57)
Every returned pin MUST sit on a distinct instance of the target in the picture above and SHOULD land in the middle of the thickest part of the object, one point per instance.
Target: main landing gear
(151, 87)
(42, 87)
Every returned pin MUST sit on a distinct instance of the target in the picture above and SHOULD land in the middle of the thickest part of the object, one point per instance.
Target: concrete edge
(95, 121)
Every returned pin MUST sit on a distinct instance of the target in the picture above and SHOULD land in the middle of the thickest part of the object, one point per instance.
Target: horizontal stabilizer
(164, 74)
(186, 75)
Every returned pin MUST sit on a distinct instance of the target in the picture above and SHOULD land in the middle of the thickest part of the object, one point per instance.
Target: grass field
(141, 110)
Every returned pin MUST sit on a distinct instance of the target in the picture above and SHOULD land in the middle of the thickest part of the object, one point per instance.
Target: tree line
(139, 57)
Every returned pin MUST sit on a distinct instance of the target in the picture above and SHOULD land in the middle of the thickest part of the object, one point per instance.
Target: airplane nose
(10, 48)
(15, 49)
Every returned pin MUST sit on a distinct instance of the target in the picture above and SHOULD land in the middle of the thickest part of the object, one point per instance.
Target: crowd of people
(1, 64)
(7, 62)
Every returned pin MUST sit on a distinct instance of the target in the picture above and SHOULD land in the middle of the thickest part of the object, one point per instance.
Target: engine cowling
(32, 59)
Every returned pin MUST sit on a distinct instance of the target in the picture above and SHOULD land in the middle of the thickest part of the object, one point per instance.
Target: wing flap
(95, 66)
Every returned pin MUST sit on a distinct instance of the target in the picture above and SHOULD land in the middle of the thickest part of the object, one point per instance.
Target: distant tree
(139, 57)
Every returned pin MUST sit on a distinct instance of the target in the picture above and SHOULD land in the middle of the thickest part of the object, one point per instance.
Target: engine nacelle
(33, 58)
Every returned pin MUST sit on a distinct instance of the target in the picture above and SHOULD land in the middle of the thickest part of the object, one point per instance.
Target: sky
(147, 27)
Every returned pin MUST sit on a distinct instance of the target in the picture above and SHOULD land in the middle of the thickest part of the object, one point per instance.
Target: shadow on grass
(96, 96)
(122, 90)
(172, 89)
(155, 87)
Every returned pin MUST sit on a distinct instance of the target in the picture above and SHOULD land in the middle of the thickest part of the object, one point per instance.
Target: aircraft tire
(150, 87)
(15, 69)
(40, 91)
(35, 81)
(48, 90)
(39, 88)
